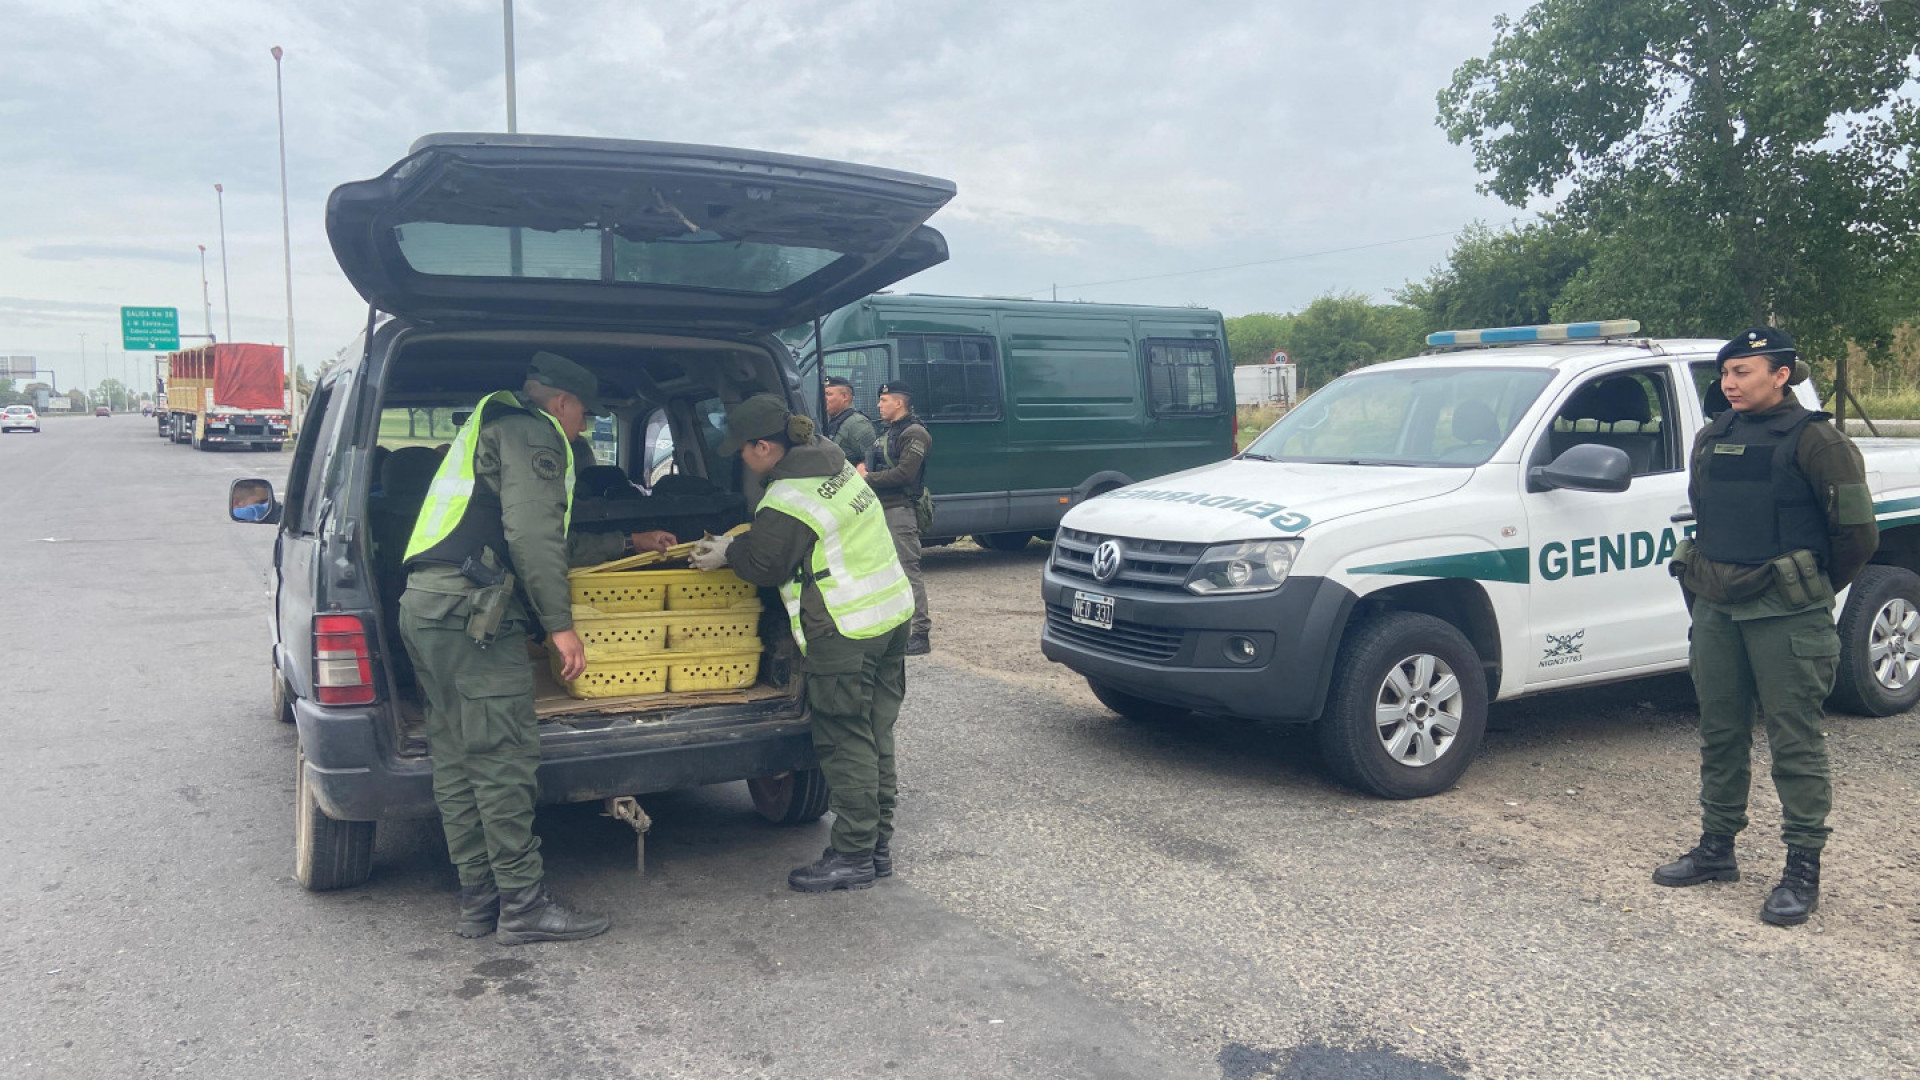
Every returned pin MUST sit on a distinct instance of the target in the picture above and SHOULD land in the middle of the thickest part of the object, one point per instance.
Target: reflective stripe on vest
(854, 564)
(452, 487)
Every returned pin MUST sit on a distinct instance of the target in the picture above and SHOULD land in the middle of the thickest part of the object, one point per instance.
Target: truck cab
(665, 270)
(1419, 538)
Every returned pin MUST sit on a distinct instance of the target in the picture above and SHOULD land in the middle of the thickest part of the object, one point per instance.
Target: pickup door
(1600, 600)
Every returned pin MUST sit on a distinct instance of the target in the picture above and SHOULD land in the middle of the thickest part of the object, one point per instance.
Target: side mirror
(1586, 467)
(253, 502)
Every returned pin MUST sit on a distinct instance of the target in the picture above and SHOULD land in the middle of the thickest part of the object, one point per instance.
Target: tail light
(342, 666)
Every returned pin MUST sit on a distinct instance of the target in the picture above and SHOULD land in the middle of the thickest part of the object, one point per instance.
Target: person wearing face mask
(1784, 520)
(820, 536)
(497, 512)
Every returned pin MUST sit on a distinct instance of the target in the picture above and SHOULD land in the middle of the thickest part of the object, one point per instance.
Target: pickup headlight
(1246, 566)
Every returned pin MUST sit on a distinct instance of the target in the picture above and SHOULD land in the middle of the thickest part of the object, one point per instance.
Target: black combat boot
(882, 860)
(531, 914)
(1798, 894)
(1710, 860)
(834, 871)
(479, 910)
(918, 645)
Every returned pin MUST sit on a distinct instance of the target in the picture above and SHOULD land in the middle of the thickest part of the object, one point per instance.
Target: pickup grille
(1135, 641)
(1161, 565)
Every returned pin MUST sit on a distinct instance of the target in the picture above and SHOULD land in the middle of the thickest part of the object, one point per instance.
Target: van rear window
(1183, 376)
(954, 377)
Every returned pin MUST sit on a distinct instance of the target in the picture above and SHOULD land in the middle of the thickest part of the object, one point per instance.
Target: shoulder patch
(547, 465)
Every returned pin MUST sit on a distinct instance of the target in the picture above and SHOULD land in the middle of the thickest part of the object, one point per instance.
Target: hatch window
(695, 260)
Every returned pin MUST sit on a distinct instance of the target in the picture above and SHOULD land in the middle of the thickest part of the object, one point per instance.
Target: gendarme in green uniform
(502, 494)
(1784, 520)
(820, 537)
(896, 470)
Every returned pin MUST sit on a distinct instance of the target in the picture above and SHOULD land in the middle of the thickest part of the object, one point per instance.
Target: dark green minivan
(1034, 405)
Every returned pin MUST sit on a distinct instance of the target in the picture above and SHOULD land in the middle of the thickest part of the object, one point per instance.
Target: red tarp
(244, 376)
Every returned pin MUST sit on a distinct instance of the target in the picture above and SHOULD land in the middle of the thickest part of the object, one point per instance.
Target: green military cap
(761, 416)
(561, 373)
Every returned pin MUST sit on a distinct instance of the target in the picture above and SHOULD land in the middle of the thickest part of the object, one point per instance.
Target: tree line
(1710, 166)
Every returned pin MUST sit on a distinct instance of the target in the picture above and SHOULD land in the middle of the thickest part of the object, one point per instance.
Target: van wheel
(1003, 541)
(1407, 708)
(327, 854)
(282, 701)
(1137, 709)
(790, 798)
(1879, 672)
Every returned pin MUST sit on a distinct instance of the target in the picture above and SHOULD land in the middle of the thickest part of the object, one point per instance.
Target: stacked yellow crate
(663, 631)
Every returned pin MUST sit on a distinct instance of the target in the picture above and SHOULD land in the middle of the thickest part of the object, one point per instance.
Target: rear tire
(1003, 541)
(1400, 682)
(282, 701)
(1879, 672)
(792, 798)
(327, 854)
(1137, 709)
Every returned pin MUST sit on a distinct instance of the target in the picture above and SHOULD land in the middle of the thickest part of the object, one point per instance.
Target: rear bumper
(1171, 647)
(353, 779)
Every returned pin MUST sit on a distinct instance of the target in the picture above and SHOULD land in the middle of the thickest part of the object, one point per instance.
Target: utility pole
(206, 296)
(83, 368)
(226, 293)
(286, 243)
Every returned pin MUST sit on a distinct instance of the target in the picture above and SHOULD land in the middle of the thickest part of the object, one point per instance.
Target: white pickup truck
(1421, 537)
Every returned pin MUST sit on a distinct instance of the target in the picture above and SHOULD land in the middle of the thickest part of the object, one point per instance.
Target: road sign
(17, 367)
(150, 328)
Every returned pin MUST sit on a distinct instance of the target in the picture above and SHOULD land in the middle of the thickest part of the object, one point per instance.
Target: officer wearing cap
(1784, 520)
(847, 426)
(896, 468)
(820, 537)
(500, 503)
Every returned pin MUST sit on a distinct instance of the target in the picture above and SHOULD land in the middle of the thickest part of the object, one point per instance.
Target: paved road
(1078, 896)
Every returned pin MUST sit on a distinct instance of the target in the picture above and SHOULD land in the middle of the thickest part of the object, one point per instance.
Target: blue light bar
(1507, 335)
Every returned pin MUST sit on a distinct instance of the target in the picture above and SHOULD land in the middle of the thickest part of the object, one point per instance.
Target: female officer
(1784, 521)
(821, 537)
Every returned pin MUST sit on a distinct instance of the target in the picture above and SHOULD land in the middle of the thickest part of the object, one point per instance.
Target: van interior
(654, 464)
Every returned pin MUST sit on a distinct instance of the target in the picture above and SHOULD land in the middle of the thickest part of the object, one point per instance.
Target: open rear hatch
(614, 233)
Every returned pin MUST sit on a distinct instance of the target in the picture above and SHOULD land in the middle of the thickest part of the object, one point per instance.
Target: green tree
(1511, 277)
(8, 396)
(1342, 331)
(1744, 160)
(1253, 339)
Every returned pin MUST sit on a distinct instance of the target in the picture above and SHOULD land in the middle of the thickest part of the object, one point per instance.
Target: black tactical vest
(1753, 502)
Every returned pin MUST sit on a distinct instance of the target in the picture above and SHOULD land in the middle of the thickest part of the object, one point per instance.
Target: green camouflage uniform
(852, 432)
(854, 687)
(481, 726)
(1762, 650)
(903, 449)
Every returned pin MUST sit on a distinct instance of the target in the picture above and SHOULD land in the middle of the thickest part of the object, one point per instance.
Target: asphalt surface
(1077, 896)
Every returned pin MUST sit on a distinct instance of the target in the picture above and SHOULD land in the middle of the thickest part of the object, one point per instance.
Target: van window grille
(1183, 376)
(954, 377)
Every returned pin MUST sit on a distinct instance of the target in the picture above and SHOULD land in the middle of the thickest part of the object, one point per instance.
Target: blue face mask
(256, 512)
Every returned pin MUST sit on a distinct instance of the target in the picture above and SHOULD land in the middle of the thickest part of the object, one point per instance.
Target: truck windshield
(1427, 417)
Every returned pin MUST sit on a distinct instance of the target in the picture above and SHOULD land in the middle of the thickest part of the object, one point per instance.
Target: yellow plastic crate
(734, 628)
(630, 591)
(712, 671)
(705, 590)
(611, 635)
(615, 678)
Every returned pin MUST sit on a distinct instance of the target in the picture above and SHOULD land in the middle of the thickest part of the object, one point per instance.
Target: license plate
(1092, 609)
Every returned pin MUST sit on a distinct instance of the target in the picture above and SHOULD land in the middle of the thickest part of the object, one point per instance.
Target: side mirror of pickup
(1586, 467)
(252, 501)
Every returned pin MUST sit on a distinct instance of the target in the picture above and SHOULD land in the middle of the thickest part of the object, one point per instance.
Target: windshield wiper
(1249, 455)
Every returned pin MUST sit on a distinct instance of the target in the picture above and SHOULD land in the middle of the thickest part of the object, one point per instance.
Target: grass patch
(1891, 404)
(1253, 421)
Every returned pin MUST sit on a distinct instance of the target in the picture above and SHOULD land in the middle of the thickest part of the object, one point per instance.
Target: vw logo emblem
(1106, 560)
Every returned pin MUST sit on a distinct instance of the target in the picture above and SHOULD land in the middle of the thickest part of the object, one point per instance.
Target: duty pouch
(490, 600)
(923, 511)
(1797, 575)
(1682, 555)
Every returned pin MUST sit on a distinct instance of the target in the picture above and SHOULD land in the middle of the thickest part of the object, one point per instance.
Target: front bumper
(1171, 646)
(354, 779)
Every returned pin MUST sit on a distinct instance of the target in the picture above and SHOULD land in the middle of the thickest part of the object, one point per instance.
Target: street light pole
(286, 238)
(206, 296)
(83, 370)
(513, 124)
(226, 294)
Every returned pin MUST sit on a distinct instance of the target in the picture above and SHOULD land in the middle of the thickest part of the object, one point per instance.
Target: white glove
(710, 553)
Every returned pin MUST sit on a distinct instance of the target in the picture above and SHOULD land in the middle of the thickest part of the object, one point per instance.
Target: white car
(19, 418)
(1419, 538)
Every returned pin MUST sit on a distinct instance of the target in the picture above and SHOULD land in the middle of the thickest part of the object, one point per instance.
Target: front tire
(1879, 672)
(792, 798)
(327, 854)
(1137, 709)
(1407, 708)
(1003, 541)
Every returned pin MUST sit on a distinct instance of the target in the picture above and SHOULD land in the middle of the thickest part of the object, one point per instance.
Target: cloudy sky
(1106, 147)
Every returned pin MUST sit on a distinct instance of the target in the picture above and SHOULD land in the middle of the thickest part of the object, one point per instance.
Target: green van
(1034, 405)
